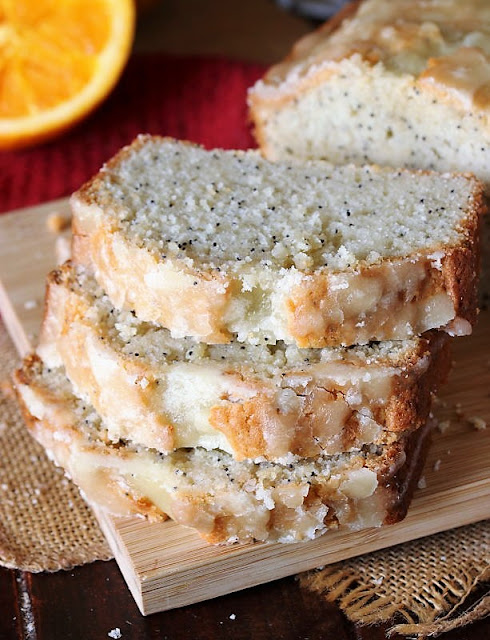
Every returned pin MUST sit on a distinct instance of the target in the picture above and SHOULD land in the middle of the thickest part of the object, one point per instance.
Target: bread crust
(403, 483)
(328, 503)
(310, 307)
(305, 411)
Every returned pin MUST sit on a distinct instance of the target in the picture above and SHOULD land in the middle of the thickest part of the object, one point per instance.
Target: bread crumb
(444, 425)
(57, 222)
(478, 423)
(30, 304)
(232, 616)
(422, 483)
(115, 633)
(458, 410)
(437, 465)
(439, 402)
(378, 581)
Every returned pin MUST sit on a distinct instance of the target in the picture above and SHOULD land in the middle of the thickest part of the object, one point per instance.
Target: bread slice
(224, 500)
(402, 83)
(216, 244)
(251, 401)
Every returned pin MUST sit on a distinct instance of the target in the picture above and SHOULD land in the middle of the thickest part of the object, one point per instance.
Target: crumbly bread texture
(224, 500)
(251, 401)
(402, 83)
(216, 244)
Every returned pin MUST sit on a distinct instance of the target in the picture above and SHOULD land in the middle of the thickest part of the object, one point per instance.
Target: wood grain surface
(168, 566)
(88, 602)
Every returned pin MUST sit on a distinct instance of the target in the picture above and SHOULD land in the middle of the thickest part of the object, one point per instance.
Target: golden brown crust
(256, 428)
(246, 423)
(242, 423)
(410, 401)
(310, 307)
(404, 482)
(461, 266)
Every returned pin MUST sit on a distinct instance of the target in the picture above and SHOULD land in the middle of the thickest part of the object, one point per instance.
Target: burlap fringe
(479, 610)
(378, 588)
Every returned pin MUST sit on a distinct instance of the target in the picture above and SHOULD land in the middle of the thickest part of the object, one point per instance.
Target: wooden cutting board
(166, 565)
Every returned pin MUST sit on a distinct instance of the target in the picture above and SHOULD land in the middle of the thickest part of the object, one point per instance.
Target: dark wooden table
(89, 602)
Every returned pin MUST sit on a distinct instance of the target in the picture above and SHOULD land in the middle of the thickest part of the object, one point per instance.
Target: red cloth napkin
(203, 100)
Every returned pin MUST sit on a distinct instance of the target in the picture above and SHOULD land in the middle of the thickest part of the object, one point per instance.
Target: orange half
(58, 60)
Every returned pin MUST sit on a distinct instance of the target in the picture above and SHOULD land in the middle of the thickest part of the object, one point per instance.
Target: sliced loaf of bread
(223, 244)
(224, 500)
(402, 83)
(251, 401)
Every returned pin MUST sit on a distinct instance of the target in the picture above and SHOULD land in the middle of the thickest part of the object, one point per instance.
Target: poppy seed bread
(267, 401)
(401, 84)
(224, 500)
(223, 244)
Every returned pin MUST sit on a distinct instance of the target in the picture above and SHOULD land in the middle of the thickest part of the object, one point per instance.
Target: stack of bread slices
(251, 348)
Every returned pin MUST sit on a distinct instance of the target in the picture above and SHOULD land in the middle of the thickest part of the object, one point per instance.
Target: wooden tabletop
(92, 601)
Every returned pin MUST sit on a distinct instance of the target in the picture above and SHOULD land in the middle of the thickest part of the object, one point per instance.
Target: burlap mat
(420, 584)
(44, 523)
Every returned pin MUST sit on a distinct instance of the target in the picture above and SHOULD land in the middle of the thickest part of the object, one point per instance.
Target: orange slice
(58, 60)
